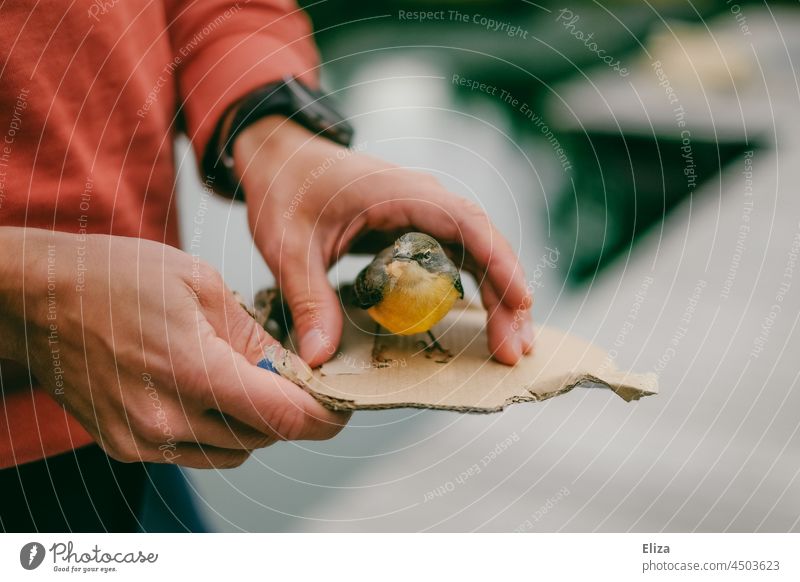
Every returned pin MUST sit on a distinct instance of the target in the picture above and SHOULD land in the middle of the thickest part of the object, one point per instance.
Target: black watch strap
(288, 97)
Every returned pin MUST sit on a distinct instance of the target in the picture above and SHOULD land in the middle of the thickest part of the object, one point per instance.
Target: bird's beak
(405, 257)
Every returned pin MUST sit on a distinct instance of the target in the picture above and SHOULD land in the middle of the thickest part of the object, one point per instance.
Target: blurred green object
(349, 32)
(622, 187)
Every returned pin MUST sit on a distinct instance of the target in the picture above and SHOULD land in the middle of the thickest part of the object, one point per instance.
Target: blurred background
(642, 157)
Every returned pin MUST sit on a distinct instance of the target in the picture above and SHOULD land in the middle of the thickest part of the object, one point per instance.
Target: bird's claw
(379, 360)
(430, 348)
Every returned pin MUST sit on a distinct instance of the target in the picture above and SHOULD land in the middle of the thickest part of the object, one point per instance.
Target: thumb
(316, 314)
(232, 323)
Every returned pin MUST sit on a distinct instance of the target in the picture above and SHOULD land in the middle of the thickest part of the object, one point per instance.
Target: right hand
(353, 202)
(157, 356)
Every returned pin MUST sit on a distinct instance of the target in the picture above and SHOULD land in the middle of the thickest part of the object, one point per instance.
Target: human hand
(149, 351)
(310, 201)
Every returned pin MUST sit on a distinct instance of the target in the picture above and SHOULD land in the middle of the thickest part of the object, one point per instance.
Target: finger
(197, 456)
(317, 315)
(509, 332)
(233, 323)
(369, 242)
(218, 430)
(126, 448)
(157, 422)
(521, 322)
(492, 254)
(226, 380)
(265, 401)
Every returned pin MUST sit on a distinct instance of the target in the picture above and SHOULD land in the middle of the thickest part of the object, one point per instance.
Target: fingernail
(314, 347)
(528, 301)
(518, 348)
(526, 333)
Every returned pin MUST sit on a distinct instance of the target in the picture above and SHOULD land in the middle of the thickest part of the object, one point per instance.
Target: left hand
(310, 201)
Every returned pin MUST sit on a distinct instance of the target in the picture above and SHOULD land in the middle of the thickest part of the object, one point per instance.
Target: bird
(409, 287)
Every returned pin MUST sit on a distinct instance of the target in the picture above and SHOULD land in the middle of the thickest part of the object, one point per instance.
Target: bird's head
(419, 248)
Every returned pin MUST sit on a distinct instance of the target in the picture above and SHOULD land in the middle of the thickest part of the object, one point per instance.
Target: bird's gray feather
(441, 263)
(372, 279)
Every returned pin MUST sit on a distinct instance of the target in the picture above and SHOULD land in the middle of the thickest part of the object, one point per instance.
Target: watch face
(318, 114)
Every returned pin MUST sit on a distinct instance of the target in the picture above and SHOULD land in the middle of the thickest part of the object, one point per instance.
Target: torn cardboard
(387, 371)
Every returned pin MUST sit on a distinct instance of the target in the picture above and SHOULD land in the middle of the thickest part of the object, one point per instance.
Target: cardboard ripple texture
(378, 371)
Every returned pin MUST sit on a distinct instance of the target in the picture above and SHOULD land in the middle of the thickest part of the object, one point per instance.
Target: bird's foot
(379, 359)
(444, 355)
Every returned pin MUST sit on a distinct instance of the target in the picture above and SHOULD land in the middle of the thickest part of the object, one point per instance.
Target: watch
(288, 97)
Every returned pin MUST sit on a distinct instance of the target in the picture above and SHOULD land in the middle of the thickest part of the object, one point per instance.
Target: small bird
(410, 286)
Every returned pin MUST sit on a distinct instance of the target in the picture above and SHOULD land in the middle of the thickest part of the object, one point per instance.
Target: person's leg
(80, 491)
(169, 503)
(87, 491)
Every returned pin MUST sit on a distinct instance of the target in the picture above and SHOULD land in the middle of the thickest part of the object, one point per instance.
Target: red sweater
(91, 95)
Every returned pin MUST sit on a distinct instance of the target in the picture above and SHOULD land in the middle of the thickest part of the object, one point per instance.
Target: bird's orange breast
(414, 300)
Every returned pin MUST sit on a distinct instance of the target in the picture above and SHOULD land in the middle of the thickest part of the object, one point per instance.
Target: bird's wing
(454, 273)
(457, 284)
(371, 280)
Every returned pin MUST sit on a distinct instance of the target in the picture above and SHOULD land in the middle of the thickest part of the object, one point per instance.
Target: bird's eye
(424, 256)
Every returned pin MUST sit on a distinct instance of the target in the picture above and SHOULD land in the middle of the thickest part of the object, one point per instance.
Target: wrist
(274, 157)
(274, 140)
(287, 98)
(265, 136)
(23, 285)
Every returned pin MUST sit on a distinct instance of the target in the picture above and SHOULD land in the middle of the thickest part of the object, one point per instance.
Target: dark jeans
(87, 491)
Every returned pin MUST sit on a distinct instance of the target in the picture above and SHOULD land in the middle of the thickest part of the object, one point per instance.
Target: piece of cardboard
(382, 371)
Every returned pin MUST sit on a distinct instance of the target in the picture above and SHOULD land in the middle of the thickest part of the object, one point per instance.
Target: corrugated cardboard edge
(623, 384)
(626, 385)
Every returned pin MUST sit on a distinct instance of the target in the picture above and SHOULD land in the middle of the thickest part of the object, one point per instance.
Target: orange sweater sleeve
(225, 49)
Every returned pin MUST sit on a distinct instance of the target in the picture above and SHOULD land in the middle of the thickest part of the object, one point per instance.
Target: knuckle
(150, 432)
(247, 331)
(259, 441)
(290, 423)
(428, 180)
(200, 383)
(306, 312)
(197, 388)
(330, 429)
(122, 448)
(472, 211)
(208, 276)
(149, 426)
(292, 249)
(213, 380)
(271, 249)
(303, 304)
(232, 460)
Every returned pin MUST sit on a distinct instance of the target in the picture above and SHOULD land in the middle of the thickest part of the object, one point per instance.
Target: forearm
(261, 42)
